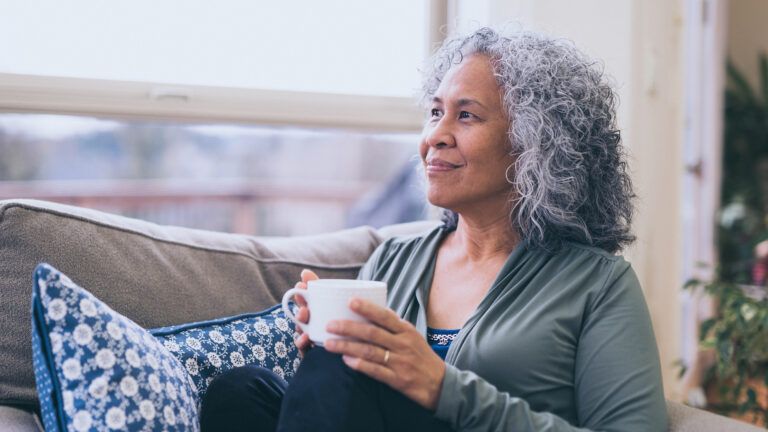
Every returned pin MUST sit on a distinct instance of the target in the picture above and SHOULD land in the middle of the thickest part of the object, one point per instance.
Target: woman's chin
(440, 201)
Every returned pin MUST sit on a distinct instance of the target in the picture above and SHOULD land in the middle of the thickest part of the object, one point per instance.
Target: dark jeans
(325, 395)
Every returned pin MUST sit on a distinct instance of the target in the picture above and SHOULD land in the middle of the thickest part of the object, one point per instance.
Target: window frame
(21, 93)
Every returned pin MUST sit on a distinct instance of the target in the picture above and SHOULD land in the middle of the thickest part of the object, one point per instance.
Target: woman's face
(464, 145)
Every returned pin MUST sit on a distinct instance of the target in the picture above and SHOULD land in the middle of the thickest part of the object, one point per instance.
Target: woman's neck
(481, 240)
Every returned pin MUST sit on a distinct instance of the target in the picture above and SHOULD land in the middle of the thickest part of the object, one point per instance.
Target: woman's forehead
(471, 79)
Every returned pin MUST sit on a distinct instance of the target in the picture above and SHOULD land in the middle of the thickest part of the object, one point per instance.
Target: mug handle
(287, 310)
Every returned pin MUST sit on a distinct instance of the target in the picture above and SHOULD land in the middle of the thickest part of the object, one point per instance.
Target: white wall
(573, 20)
(641, 44)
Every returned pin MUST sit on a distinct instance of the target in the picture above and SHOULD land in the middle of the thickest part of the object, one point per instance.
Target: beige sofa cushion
(155, 275)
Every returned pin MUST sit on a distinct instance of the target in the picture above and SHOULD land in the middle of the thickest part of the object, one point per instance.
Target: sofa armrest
(683, 418)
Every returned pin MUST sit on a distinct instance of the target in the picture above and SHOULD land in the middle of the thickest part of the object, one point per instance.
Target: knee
(318, 357)
(323, 369)
(327, 395)
(241, 382)
(240, 398)
(320, 364)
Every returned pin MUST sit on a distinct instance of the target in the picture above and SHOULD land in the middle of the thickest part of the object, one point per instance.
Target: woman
(532, 322)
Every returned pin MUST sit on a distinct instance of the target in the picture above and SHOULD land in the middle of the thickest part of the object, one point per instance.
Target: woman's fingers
(308, 275)
(303, 314)
(373, 369)
(390, 350)
(363, 331)
(381, 316)
(302, 343)
(298, 298)
(372, 353)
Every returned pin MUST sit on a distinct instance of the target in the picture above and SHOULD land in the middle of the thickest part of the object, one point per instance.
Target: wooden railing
(134, 196)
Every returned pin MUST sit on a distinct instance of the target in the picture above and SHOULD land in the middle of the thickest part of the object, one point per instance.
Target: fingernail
(348, 359)
(332, 326)
(330, 344)
(355, 303)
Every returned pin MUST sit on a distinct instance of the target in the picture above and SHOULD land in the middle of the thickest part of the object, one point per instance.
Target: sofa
(162, 276)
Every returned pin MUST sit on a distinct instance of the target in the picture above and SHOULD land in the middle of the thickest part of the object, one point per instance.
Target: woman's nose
(441, 135)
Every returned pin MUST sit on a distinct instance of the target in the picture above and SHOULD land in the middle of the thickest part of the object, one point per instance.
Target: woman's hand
(390, 350)
(302, 342)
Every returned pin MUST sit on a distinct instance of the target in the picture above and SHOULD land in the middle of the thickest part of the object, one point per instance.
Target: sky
(53, 126)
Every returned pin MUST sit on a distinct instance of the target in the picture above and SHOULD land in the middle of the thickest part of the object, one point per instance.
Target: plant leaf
(764, 77)
(692, 283)
(705, 327)
(702, 265)
(682, 368)
(741, 87)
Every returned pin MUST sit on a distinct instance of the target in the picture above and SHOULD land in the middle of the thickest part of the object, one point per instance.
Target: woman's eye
(434, 112)
(465, 114)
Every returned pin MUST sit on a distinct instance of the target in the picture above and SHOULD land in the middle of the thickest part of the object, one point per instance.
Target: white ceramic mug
(328, 300)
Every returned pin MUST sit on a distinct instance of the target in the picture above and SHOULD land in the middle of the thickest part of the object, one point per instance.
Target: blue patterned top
(440, 339)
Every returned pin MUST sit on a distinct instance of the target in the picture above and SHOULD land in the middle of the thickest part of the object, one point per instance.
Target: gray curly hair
(570, 175)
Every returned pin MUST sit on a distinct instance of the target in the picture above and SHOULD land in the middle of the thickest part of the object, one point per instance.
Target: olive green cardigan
(560, 341)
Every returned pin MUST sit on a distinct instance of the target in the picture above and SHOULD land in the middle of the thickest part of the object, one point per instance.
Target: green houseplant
(738, 334)
(739, 337)
(744, 194)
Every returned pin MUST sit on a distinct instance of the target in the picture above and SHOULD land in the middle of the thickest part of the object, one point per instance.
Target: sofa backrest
(155, 275)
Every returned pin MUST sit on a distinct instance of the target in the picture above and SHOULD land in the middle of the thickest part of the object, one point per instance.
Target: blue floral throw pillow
(96, 370)
(208, 348)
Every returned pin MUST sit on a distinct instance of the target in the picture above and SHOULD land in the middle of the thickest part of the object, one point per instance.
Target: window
(249, 116)
(331, 63)
(248, 179)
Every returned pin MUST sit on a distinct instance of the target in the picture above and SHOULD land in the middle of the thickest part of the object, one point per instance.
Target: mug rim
(346, 283)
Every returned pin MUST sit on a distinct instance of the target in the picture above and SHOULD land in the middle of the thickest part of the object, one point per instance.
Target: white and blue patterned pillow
(98, 370)
(209, 348)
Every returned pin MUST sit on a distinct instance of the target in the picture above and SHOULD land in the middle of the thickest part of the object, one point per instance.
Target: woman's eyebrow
(461, 102)
(465, 101)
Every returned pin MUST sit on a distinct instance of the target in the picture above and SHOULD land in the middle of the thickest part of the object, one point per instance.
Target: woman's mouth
(438, 166)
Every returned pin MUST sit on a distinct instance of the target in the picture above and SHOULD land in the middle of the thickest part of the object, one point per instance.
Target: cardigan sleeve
(470, 403)
(617, 375)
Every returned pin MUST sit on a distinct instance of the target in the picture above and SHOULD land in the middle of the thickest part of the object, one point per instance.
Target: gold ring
(386, 356)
